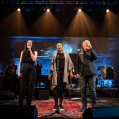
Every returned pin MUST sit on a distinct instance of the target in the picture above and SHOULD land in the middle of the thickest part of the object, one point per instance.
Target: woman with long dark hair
(28, 57)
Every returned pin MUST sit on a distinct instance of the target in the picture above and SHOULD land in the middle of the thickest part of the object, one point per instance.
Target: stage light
(107, 10)
(79, 10)
(44, 9)
(27, 9)
(89, 9)
(48, 10)
(57, 9)
(18, 9)
(75, 8)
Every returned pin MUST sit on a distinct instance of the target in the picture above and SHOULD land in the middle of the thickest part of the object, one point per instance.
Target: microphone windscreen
(59, 47)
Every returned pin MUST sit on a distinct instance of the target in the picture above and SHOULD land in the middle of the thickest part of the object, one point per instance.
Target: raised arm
(93, 54)
(33, 56)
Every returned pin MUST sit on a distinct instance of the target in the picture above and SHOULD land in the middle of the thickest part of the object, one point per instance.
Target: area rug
(71, 108)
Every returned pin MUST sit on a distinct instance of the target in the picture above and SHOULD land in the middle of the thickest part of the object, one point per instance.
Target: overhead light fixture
(57, 9)
(89, 9)
(27, 9)
(18, 9)
(79, 10)
(107, 10)
(48, 10)
(75, 8)
(44, 9)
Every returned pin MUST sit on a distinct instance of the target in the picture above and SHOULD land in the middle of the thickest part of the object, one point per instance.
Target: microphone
(59, 48)
(89, 45)
(28, 48)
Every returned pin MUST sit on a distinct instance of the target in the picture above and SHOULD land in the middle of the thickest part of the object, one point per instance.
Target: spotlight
(89, 9)
(44, 9)
(75, 8)
(79, 10)
(57, 9)
(18, 9)
(48, 10)
(107, 10)
(27, 9)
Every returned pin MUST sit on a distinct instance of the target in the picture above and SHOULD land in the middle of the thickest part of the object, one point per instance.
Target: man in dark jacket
(86, 72)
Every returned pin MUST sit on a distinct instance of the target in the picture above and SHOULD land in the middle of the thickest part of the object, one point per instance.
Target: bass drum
(108, 72)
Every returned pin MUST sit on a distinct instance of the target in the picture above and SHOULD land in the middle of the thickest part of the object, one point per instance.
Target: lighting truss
(81, 2)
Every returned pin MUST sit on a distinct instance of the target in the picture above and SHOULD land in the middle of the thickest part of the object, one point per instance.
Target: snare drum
(108, 72)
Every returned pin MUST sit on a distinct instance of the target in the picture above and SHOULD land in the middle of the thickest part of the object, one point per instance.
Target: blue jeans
(91, 80)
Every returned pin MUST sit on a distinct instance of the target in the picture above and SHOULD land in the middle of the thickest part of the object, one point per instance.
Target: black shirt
(61, 60)
(28, 58)
(86, 68)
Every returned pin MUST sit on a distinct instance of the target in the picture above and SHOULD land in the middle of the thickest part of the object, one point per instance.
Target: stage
(71, 107)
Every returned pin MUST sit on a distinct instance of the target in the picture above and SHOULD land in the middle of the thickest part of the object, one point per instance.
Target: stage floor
(71, 107)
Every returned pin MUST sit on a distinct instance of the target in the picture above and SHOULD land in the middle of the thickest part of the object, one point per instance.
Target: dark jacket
(81, 61)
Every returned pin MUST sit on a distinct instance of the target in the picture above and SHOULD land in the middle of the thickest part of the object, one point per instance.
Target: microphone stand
(58, 78)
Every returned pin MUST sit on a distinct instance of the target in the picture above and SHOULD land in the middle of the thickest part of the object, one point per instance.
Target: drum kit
(106, 73)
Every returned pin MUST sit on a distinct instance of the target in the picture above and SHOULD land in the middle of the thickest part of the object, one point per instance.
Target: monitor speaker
(18, 112)
(101, 113)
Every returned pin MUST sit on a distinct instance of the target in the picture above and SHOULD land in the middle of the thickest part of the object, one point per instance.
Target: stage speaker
(42, 94)
(101, 113)
(18, 112)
